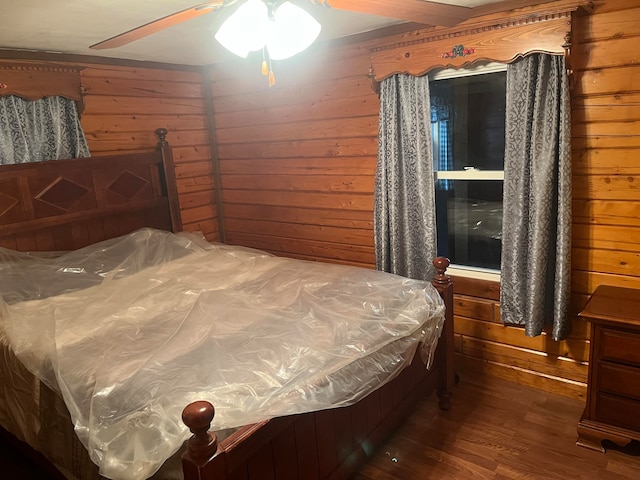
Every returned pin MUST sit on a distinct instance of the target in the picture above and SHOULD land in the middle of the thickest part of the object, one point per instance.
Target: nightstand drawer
(620, 346)
(618, 411)
(619, 379)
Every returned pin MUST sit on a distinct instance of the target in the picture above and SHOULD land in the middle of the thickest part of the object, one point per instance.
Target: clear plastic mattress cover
(131, 330)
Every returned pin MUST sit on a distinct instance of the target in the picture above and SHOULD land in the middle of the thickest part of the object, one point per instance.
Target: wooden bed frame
(329, 444)
(68, 204)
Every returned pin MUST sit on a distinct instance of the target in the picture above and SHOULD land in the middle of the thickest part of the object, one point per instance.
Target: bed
(75, 204)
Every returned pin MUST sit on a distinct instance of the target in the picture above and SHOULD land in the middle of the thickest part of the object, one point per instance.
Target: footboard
(328, 444)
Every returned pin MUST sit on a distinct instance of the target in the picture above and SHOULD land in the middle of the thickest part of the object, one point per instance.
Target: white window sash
(471, 174)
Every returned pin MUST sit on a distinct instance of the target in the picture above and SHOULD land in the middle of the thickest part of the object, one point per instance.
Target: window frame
(470, 172)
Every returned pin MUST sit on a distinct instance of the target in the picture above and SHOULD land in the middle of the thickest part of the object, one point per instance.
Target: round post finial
(202, 446)
(162, 135)
(441, 264)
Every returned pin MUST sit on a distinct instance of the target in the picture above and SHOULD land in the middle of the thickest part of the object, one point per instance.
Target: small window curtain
(38, 130)
(404, 198)
(441, 101)
(536, 234)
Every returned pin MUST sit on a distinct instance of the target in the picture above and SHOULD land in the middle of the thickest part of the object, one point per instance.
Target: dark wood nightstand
(613, 393)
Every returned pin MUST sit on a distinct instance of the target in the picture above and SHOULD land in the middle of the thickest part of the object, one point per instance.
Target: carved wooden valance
(497, 38)
(35, 81)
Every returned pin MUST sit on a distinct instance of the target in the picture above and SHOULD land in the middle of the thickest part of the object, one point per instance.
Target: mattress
(129, 331)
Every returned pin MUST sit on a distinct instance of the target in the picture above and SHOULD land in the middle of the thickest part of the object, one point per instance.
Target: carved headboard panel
(67, 204)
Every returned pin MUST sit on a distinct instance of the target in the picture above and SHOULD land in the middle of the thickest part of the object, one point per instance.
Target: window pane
(469, 221)
(467, 116)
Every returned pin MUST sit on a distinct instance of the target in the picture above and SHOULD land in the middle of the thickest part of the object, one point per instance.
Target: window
(467, 126)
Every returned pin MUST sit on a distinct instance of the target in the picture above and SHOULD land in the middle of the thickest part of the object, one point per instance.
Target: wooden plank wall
(297, 159)
(606, 143)
(297, 164)
(124, 107)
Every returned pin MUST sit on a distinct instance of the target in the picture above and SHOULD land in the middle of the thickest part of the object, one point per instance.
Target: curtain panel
(38, 130)
(404, 194)
(536, 227)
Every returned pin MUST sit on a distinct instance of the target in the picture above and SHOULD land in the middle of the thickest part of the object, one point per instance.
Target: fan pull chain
(267, 69)
(272, 77)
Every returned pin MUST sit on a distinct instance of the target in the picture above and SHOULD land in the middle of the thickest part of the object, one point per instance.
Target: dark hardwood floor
(15, 465)
(495, 430)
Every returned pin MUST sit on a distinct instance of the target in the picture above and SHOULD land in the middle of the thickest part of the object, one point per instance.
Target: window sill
(474, 273)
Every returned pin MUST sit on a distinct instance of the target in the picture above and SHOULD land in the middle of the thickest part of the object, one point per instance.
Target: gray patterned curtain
(404, 198)
(37, 130)
(536, 226)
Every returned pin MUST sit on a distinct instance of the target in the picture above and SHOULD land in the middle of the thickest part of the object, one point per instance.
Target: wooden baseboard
(529, 378)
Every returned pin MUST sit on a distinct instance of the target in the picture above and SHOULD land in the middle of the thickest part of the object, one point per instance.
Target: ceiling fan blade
(420, 11)
(157, 25)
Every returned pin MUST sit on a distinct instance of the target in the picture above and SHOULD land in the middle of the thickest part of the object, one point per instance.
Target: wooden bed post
(445, 353)
(169, 171)
(198, 459)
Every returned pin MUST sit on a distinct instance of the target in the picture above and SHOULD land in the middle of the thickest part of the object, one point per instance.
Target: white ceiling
(70, 26)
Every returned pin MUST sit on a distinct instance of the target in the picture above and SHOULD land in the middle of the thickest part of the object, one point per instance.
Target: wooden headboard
(67, 204)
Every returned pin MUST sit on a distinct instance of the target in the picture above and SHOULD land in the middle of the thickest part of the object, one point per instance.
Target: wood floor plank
(497, 430)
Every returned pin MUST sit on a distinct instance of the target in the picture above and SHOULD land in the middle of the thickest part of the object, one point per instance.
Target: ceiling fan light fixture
(288, 31)
(244, 31)
(295, 30)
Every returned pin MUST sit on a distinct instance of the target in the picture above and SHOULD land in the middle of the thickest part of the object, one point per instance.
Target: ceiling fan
(418, 11)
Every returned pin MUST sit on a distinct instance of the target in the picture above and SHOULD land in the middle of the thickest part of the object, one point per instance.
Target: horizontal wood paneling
(334, 148)
(610, 23)
(607, 212)
(126, 105)
(307, 130)
(324, 216)
(306, 249)
(618, 161)
(301, 183)
(506, 351)
(116, 105)
(293, 166)
(525, 358)
(338, 200)
(321, 110)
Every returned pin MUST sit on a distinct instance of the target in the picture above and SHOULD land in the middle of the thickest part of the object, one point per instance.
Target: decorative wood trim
(458, 51)
(375, 86)
(470, 30)
(566, 46)
(33, 81)
(520, 33)
(7, 54)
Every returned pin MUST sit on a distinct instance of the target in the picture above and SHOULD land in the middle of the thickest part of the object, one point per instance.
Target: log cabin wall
(297, 160)
(297, 164)
(124, 105)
